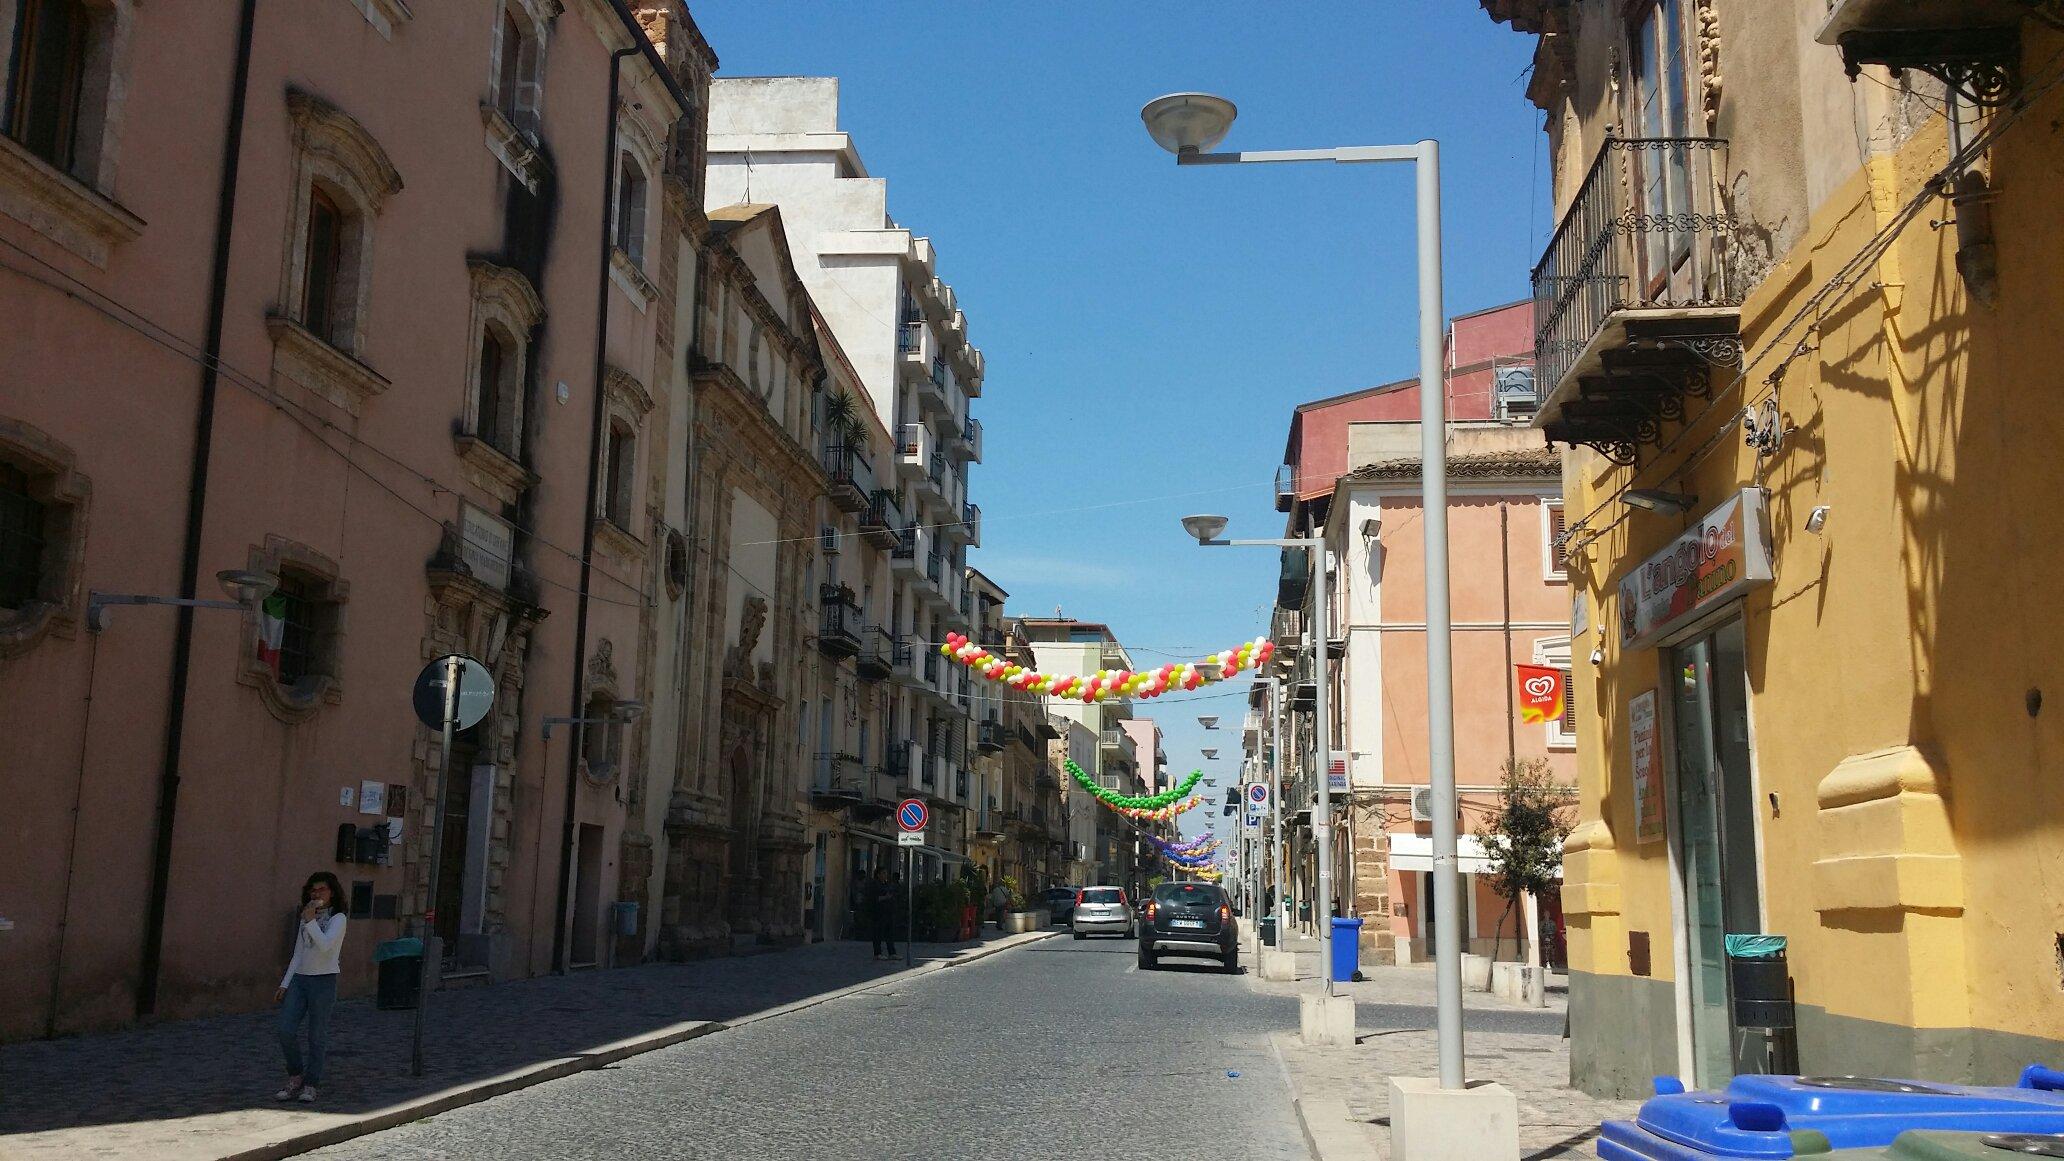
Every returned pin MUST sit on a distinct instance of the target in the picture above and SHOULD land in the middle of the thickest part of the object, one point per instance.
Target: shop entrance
(1716, 823)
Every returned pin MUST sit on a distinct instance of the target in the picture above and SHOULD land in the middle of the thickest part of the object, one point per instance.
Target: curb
(443, 1102)
(1329, 1132)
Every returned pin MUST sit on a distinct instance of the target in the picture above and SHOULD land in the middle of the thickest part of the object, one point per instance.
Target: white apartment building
(777, 140)
(1105, 846)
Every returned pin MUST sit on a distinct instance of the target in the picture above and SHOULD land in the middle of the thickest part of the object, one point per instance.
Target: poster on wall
(1648, 791)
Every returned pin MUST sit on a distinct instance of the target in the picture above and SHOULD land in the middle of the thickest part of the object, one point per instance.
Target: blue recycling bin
(1347, 948)
(1791, 1116)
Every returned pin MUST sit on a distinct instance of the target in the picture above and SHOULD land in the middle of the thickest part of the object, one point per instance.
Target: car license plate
(1195, 923)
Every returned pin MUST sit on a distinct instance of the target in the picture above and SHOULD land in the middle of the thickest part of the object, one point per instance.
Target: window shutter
(1569, 705)
(1556, 560)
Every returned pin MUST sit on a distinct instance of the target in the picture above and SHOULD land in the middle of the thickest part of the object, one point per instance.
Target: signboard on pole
(910, 838)
(1257, 794)
(1648, 794)
(912, 814)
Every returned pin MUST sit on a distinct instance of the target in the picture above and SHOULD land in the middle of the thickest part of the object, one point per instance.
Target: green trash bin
(1936, 1145)
(401, 973)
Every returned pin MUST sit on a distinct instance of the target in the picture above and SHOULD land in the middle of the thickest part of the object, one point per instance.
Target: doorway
(587, 898)
(1716, 822)
(454, 844)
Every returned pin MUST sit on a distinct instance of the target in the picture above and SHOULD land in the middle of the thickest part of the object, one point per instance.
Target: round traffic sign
(912, 814)
(476, 692)
(1257, 793)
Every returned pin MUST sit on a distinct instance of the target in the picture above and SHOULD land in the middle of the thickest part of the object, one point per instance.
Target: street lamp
(1186, 124)
(247, 590)
(1207, 530)
(621, 713)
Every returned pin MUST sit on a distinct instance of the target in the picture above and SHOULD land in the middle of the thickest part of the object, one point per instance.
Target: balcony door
(1661, 116)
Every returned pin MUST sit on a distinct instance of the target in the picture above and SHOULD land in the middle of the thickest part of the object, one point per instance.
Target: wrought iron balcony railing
(1647, 231)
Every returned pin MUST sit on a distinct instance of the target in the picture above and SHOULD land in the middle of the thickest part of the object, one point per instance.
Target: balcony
(880, 521)
(965, 441)
(1636, 298)
(1286, 486)
(990, 821)
(916, 349)
(841, 780)
(992, 638)
(912, 545)
(877, 659)
(908, 666)
(839, 635)
(842, 463)
(902, 762)
(932, 663)
(914, 451)
(934, 389)
(1118, 743)
(1293, 585)
(990, 738)
(1972, 46)
(971, 521)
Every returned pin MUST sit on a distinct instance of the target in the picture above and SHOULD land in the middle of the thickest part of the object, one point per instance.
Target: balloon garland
(1105, 684)
(1161, 815)
(1137, 802)
(1203, 842)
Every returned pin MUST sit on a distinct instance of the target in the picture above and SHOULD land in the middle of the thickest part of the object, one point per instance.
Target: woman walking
(310, 986)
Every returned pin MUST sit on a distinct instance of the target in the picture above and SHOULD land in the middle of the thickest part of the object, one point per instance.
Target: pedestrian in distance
(309, 989)
(881, 914)
(999, 902)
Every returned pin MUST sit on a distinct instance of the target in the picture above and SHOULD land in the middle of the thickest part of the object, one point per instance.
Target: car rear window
(1187, 894)
(1103, 895)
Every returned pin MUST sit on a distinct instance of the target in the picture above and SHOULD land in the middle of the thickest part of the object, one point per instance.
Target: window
(21, 539)
(1554, 562)
(495, 389)
(1555, 651)
(616, 499)
(601, 738)
(293, 652)
(48, 89)
(325, 245)
(509, 50)
(630, 209)
(1661, 95)
(297, 602)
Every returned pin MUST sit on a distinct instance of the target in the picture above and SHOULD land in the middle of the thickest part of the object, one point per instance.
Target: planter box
(1476, 972)
(1016, 922)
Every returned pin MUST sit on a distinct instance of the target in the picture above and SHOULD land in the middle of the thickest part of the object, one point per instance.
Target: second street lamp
(1186, 124)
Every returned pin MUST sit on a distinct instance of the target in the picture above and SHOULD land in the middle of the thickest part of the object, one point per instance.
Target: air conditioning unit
(1514, 394)
(1422, 804)
(829, 539)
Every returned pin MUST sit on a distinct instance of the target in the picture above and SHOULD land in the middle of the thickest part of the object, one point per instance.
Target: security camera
(1597, 656)
(1817, 519)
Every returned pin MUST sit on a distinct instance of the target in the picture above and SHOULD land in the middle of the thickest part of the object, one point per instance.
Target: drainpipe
(196, 510)
(1505, 590)
(560, 957)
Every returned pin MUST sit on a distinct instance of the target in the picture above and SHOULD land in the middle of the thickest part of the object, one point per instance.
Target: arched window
(325, 246)
(630, 209)
(620, 467)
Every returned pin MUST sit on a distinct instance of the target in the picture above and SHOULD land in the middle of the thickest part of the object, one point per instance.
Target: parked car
(1060, 901)
(1104, 911)
(1189, 919)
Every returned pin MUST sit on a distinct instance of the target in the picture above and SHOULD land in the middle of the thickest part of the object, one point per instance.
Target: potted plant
(1018, 919)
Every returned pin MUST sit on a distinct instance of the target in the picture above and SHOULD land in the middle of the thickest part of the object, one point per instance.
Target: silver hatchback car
(1102, 911)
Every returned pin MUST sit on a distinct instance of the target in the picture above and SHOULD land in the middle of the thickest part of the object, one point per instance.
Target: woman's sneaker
(307, 1096)
(288, 1093)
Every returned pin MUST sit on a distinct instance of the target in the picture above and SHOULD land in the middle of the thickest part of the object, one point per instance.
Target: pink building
(1357, 461)
(320, 295)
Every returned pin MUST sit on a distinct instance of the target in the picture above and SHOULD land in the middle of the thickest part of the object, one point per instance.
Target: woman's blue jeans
(310, 996)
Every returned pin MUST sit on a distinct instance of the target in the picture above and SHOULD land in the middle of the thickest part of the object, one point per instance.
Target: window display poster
(1648, 791)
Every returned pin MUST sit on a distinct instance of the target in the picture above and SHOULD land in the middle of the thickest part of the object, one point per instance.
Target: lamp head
(246, 587)
(1204, 528)
(628, 711)
(1188, 122)
(1660, 501)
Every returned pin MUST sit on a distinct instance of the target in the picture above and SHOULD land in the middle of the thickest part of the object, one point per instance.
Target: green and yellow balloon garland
(1117, 801)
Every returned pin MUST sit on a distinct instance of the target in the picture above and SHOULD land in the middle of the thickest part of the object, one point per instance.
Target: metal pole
(1322, 747)
(1282, 900)
(452, 671)
(909, 907)
(1440, 684)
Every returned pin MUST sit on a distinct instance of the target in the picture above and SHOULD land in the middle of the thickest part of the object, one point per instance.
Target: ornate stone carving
(602, 667)
(738, 663)
(1708, 33)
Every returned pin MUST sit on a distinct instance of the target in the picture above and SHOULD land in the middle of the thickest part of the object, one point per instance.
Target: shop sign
(1725, 553)
(1648, 790)
(1542, 690)
(486, 542)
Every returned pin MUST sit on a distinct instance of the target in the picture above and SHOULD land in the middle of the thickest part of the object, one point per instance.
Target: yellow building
(1807, 332)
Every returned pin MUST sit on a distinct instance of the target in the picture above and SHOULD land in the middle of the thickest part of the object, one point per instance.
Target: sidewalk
(203, 1088)
(1342, 1093)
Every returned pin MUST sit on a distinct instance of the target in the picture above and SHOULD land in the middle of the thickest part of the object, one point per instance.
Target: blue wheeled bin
(1794, 1116)
(1347, 948)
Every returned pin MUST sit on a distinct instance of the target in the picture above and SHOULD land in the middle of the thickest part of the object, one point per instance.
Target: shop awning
(1414, 852)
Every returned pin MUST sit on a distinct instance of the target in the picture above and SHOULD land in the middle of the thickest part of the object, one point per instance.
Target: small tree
(1522, 839)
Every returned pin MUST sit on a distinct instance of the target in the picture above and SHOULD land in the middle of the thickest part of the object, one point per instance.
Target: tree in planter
(1522, 838)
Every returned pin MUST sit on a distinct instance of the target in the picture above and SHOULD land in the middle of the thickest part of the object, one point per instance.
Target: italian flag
(272, 625)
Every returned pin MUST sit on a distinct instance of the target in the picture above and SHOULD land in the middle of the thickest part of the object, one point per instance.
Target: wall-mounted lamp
(623, 712)
(1659, 501)
(1371, 527)
(1597, 655)
(247, 590)
(1816, 520)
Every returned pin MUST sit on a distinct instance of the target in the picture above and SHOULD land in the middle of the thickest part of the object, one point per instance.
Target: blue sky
(1148, 330)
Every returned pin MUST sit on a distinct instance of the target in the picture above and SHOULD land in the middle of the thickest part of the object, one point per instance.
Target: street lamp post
(1207, 529)
(1186, 124)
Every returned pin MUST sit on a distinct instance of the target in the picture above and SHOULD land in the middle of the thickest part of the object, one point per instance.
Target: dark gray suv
(1189, 919)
